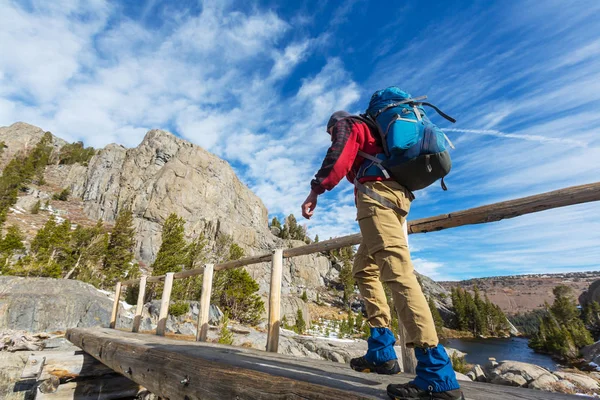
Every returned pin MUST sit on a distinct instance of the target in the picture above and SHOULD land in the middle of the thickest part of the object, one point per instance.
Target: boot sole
(394, 397)
(369, 370)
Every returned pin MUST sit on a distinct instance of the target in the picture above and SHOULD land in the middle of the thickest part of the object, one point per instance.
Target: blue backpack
(415, 149)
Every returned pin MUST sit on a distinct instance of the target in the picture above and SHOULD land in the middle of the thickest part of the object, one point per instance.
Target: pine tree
(171, 256)
(9, 245)
(350, 323)
(300, 323)
(592, 318)
(562, 332)
(36, 207)
(304, 296)
(225, 335)
(358, 323)
(316, 239)
(275, 223)
(118, 261)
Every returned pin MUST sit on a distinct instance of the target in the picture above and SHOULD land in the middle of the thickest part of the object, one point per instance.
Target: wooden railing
(489, 213)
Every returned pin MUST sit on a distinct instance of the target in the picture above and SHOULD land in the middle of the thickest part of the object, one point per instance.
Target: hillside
(522, 293)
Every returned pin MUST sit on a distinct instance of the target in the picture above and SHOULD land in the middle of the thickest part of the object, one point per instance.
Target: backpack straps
(376, 161)
(443, 114)
(414, 101)
(379, 198)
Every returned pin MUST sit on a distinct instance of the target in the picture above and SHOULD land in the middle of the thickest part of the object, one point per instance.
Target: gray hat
(335, 117)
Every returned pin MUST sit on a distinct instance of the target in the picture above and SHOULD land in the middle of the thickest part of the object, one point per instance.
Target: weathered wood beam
(115, 309)
(275, 301)
(110, 387)
(509, 209)
(196, 370)
(479, 215)
(207, 279)
(161, 326)
(137, 319)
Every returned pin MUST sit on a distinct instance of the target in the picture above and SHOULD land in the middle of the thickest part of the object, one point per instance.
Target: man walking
(383, 256)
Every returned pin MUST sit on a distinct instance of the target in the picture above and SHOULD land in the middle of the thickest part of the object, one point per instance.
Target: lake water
(516, 349)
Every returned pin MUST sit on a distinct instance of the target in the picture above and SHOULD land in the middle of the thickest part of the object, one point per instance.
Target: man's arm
(337, 163)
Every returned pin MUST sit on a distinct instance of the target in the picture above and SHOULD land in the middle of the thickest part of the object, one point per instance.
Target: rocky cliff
(164, 175)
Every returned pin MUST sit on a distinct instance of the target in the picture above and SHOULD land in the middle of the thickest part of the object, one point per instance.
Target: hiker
(383, 256)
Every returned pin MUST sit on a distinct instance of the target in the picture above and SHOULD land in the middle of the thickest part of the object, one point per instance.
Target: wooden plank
(509, 209)
(115, 309)
(69, 365)
(275, 301)
(176, 369)
(33, 367)
(164, 305)
(106, 388)
(202, 329)
(489, 213)
(137, 319)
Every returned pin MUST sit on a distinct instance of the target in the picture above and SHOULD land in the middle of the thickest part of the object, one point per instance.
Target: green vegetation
(225, 335)
(237, 294)
(36, 207)
(437, 318)
(57, 251)
(476, 315)
(459, 364)
(119, 259)
(300, 326)
(527, 323)
(75, 153)
(179, 308)
(21, 171)
(345, 256)
(591, 318)
(63, 195)
(290, 230)
(304, 296)
(562, 331)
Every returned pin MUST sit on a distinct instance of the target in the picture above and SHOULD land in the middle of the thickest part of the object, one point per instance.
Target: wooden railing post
(409, 361)
(275, 301)
(203, 314)
(164, 305)
(115, 309)
(137, 320)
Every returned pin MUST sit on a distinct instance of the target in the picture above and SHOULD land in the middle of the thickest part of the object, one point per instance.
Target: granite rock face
(165, 175)
(49, 305)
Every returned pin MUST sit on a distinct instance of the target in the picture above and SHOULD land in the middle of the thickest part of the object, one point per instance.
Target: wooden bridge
(176, 369)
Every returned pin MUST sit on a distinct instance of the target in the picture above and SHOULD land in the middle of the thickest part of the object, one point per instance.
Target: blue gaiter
(381, 346)
(434, 369)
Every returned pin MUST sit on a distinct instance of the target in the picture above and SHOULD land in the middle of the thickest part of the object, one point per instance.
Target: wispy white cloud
(533, 138)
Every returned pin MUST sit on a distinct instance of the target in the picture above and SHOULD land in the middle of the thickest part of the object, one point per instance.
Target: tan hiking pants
(383, 256)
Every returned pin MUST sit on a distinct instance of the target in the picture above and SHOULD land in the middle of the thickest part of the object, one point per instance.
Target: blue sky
(254, 82)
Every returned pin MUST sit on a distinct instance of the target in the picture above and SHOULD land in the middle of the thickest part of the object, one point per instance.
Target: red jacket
(349, 135)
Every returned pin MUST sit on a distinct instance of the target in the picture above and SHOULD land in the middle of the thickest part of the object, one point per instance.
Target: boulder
(463, 377)
(544, 382)
(580, 380)
(514, 373)
(476, 374)
(48, 305)
(592, 353)
(509, 379)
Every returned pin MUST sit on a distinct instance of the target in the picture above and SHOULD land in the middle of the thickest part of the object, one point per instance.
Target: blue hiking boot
(361, 364)
(381, 356)
(435, 378)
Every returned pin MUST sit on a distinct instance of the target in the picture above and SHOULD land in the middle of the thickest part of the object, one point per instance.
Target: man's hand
(309, 205)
